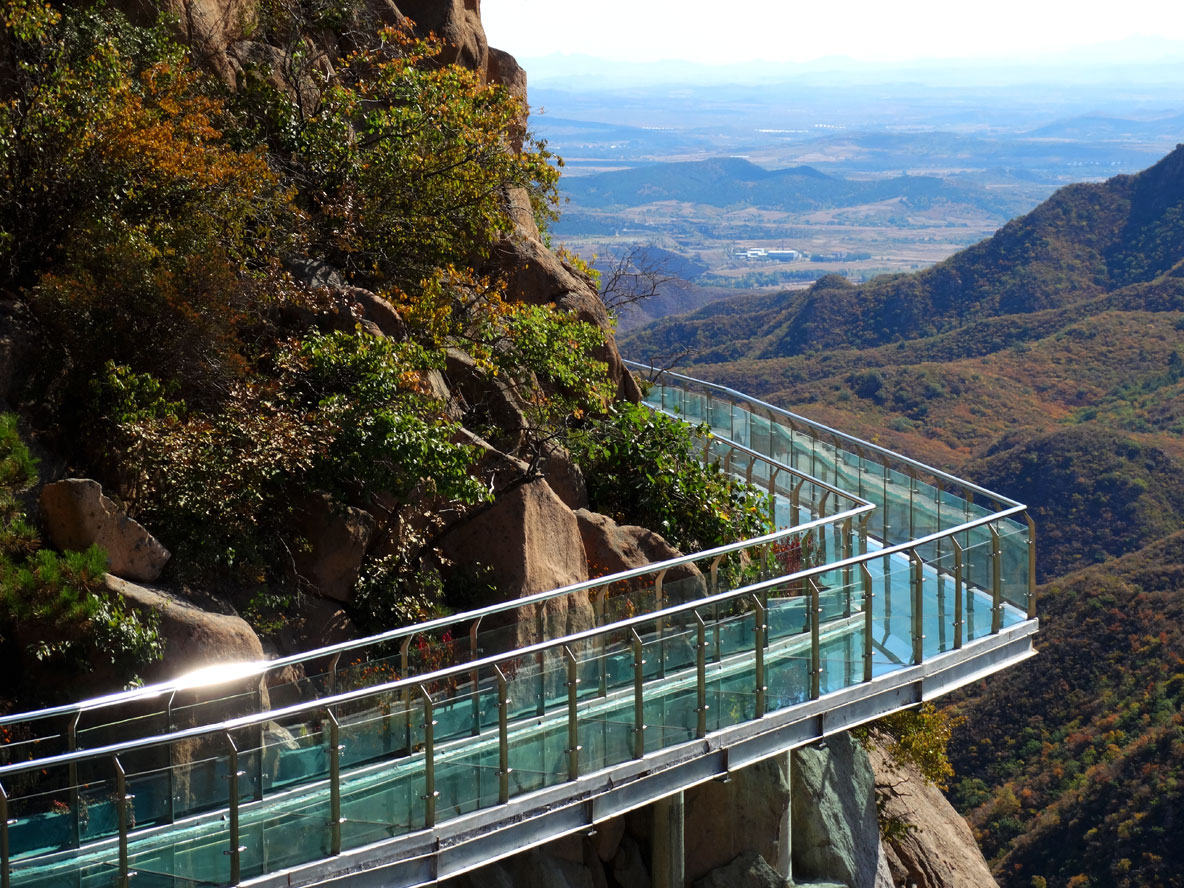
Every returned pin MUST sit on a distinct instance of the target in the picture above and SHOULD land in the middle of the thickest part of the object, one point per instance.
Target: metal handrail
(464, 669)
(252, 668)
(743, 399)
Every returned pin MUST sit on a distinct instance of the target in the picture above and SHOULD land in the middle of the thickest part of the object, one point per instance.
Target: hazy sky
(777, 30)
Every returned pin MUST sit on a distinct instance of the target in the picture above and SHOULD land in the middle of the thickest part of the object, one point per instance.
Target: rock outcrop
(748, 814)
(613, 547)
(337, 542)
(530, 540)
(749, 870)
(193, 637)
(77, 514)
(836, 834)
(937, 849)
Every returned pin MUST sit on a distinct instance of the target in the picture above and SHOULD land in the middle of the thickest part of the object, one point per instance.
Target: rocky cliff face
(803, 819)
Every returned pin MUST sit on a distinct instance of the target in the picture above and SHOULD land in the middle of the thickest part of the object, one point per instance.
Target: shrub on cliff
(641, 468)
(147, 216)
(54, 609)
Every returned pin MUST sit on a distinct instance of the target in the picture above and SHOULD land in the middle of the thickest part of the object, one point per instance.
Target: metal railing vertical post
(758, 643)
(885, 526)
(541, 661)
(849, 570)
(5, 871)
(659, 624)
(170, 726)
(912, 473)
(235, 851)
(638, 699)
(573, 716)
(1031, 566)
(918, 605)
(815, 614)
(996, 581)
(404, 672)
(72, 778)
(429, 761)
(714, 590)
(868, 620)
(773, 473)
(333, 673)
(503, 737)
(121, 799)
(335, 747)
(259, 734)
(958, 593)
(701, 676)
(602, 640)
(474, 677)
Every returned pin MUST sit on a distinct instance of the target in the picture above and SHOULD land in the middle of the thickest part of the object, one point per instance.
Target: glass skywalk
(886, 579)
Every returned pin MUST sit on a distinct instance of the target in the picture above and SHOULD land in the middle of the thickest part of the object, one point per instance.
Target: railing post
(475, 677)
(638, 699)
(795, 501)
(235, 851)
(774, 471)
(918, 606)
(863, 520)
(701, 676)
(333, 673)
(958, 593)
(1031, 566)
(573, 719)
(503, 737)
(5, 877)
(868, 620)
(72, 777)
(848, 571)
(996, 581)
(541, 658)
(659, 623)
(170, 726)
(121, 800)
(601, 608)
(815, 614)
(259, 731)
(334, 783)
(404, 672)
(429, 761)
(758, 630)
(715, 608)
(885, 526)
(912, 473)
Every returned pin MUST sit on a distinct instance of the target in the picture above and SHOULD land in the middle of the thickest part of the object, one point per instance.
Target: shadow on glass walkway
(426, 751)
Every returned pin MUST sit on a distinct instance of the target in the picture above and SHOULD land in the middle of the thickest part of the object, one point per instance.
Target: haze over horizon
(766, 32)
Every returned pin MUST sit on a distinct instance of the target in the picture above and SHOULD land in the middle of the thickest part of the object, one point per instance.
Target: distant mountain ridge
(1085, 241)
(732, 181)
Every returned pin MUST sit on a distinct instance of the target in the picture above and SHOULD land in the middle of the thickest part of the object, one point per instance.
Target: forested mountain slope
(1046, 363)
(1085, 241)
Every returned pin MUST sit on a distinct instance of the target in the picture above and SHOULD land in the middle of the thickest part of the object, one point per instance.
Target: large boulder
(193, 637)
(77, 514)
(749, 870)
(337, 537)
(457, 23)
(613, 547)
(749, 813)
(836, 834)
(531, 543)
(538, 276)
(936, 849)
